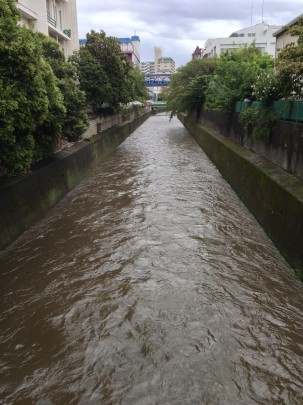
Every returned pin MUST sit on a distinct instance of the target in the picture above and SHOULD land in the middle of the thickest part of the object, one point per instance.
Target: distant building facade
(148, 68)
(197, 54)
(131, 48)
(260, 34)
(159, 65)
(54, 18)
(283, 38)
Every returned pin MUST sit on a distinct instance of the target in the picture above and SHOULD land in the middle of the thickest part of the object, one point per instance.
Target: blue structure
(157, 80)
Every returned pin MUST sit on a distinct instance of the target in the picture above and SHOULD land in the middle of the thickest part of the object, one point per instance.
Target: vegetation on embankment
(242, 74)
(25, 199)
(45, 97)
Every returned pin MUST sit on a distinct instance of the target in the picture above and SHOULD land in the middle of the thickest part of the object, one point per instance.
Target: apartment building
(260, 34)
(54, 18)
(131, 48)
(148, 68)
(166, 65)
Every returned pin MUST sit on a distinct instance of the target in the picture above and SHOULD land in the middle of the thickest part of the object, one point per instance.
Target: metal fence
(290, 110)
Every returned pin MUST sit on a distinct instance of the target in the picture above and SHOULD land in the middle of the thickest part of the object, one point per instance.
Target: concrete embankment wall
(25, 200)
(274, 196)
(285, 147)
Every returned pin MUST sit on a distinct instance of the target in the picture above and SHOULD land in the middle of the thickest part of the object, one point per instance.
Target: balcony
(26, 12)
(55, 30)
(51, 21)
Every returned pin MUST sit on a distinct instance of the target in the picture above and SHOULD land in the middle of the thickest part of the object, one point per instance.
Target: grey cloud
(168, 21)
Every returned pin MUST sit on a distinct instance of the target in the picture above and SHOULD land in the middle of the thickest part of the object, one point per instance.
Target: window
(240, 35)
(60, 19)
(251, 34)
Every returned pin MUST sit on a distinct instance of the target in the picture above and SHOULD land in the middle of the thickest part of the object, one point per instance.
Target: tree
(235, 73)
(187, 88)
(105, 74)
(74, 99)
(31, 105)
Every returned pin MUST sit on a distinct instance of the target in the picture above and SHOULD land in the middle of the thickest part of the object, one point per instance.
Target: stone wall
(285, 147)
(274, 196)
(24, 200)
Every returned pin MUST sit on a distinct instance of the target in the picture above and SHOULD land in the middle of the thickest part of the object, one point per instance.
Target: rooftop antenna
(262, 10)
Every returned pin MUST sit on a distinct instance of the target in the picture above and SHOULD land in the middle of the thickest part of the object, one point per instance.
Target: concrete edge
(273, 196)
(25, 200)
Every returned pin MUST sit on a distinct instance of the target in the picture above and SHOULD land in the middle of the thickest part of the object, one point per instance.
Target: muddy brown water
(150, 283)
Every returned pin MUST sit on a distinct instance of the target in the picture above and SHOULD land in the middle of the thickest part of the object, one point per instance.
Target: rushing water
(150, 283)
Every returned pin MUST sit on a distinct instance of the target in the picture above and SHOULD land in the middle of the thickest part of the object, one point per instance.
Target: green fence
(291, 110)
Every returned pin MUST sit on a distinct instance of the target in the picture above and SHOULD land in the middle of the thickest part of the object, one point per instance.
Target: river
(150, 283)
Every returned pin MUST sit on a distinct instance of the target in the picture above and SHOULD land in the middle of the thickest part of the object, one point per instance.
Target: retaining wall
(25, 200)
(274, 196)
(285, 147)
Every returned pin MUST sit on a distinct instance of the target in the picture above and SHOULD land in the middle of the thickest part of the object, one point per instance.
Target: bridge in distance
(157, 80)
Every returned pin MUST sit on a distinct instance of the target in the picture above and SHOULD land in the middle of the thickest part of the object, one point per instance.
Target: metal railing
(51, 21)
(67, 32)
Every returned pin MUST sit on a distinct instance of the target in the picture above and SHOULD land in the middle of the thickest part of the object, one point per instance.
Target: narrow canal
(150, 283)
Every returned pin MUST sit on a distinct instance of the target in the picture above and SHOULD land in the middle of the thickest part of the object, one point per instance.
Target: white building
(54, 18)
(131, 48)
(148, 68)
(260, 34)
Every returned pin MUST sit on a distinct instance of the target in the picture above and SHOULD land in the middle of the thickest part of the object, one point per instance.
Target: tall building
(166, 65)
(54, 18)
(148, 68)
(131, 48)
(260, 34)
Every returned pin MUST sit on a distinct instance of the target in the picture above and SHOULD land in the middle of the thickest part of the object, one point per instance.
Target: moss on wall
(274, 196)
(25, 200)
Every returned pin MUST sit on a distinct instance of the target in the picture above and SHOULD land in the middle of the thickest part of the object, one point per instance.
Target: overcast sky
(178, 26)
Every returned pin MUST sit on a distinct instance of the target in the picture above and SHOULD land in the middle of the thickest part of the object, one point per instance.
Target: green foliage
(30, 100)
(267, 87)
(105, 74)
(138, 90)
(188, 86)
(235, 73)
(75, 119)
(258, 122)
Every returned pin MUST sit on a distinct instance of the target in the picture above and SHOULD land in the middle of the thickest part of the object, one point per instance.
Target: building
(197, 54)
(260, 34)
(283, 38)
(54, 18)
(166, 65)
(131, 48)
(160, 66)
(148, 68)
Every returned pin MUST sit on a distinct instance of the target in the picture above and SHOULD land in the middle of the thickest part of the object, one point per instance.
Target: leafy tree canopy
(188, 86)
(74, 99)
(30, 99)
(105, 74)
(234, 76)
